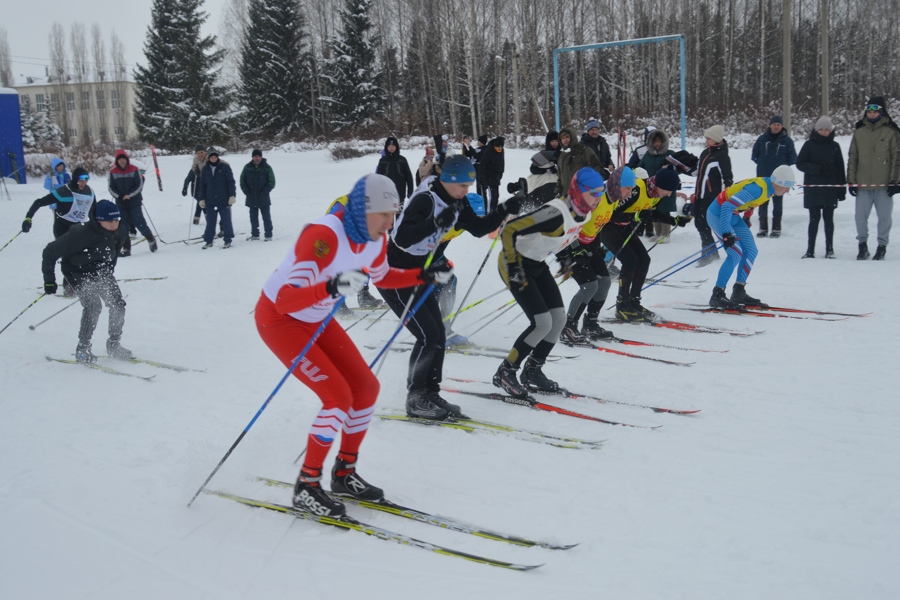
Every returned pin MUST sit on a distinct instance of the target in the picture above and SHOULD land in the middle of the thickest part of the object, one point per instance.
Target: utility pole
(786, 66)
(826, 60)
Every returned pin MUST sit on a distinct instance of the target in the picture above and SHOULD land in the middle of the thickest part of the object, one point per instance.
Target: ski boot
(455, 339)
(126, 249)
(434, 396)
(505, 379)
(226, 246)
(117, 350)
(863, 252)
(570, 336)
(310, 497)
(346, 481)
(592, 330)
(84, 355)
(739, 296)
(648, 314)
(720, 301)
(533, 377)
(628, 312)
(419, 406)
(880, 251)
(345, 312)
(366, 300)
(763, 227)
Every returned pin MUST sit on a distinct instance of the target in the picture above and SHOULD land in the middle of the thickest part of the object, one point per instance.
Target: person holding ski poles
(740, 247)
(334, 256)
(527, 242)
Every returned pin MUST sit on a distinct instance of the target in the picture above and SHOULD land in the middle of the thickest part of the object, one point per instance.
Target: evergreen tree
(178, 100)
(274, 67)
(40, 133)
(352, 72)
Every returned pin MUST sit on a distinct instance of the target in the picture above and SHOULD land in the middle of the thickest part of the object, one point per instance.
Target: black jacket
(822, 163)
(85, 249)
(601, 149)
(394, 166)
(493, 163)
(257, 182)
(551, 153)
(713, 175)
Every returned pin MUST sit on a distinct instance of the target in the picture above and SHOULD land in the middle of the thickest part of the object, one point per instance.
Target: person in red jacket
(334, 256)
(125, 185)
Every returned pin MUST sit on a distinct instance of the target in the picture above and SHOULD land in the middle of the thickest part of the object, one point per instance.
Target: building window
(70, 100)
(119, 131)
(39, 104)
(85, 101)
(114, 98)
(101, 99)
(54, 102)
(73, 133)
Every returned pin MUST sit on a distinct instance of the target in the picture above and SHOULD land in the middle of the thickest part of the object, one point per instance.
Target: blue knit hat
(457, 169)
(591, 124)
(107, 211)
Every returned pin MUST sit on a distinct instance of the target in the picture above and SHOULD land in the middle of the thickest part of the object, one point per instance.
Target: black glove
(513, 205)
(446, 218)
(184, 191)
(50, 288)
(852, 189)
(439, 273)
(517, 279)
(681, 221)
(642, 215)
(566, 265)
(26, 225)
(688, 209)
(729, 239)
(893, 188)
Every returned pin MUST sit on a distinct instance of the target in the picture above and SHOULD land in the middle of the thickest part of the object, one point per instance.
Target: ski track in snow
(784, 486)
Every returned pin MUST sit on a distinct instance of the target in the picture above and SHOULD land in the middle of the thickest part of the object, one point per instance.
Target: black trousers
(633, 256)
(815, 215)
(542, 303)
(703, 228)
(426, 363)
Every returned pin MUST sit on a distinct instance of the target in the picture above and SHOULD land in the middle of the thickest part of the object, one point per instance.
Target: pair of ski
(386, 506)
(135, 361)
(473, 350)
(679, 326)
(591, 345)
(774, 311)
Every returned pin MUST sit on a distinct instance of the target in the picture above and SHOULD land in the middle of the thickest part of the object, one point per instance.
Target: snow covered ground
(784, 486)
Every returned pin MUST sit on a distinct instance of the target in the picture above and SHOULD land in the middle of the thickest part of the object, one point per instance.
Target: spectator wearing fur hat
(822, 163)
(714, 174)
(493, 164)
(257, 182)
(771, 150)
(217, 196)
(596, 142)
(873, 172)
(394, 166)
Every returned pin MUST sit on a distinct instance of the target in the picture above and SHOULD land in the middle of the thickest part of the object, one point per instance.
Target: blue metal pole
(716, 249)
(556, 85)
(683, 109)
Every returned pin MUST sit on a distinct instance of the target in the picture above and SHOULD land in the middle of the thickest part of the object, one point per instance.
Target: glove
(26, 225)
(517, 279)
(446, 219)
(729, 239)
(513, 205)
(682, 221)
(231, 200)
(203, 204)
(566, 265)
(184, 191)
(687, 209)
(852, 189)
(50, 288)
(893, 188)
(348, 282)
(439, 273)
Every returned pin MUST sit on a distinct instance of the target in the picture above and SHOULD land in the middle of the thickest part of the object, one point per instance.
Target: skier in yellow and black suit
(527, 242)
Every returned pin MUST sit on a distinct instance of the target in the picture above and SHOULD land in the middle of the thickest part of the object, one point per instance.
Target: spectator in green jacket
(257, 181)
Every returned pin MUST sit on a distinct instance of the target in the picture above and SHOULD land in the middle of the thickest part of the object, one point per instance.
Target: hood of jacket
(657, 134)
(551, 135)
(395, 142)
(55, 163)
(129, 168)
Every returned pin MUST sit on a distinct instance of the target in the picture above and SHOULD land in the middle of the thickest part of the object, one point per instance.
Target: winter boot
(810, 252)
(505, 378)
(117, 350)
(533, 377)
(253, 238)
(592, 330)
(126, 249)
(626, 311)
(83, 354)
(570, 335)
(763, 226)
(863, 252)
(434, 396)
(740, 296)
(720, 301)
(366, 300)
(221, 233)
(880, 252)
(829, 251)
(206, 246)
(226, 245)
(310, 497)
(419, 406)
(776, 227)
(152, 242)
(346, 481)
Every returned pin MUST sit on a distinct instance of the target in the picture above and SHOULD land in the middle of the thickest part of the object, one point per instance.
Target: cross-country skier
(73, 201)
(89, 254)
(527, 242)
(331, 258)
(740, 246)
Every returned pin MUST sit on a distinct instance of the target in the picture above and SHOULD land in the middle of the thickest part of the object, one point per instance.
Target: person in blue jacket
(217, 196)
(771, 150)
(58, 177)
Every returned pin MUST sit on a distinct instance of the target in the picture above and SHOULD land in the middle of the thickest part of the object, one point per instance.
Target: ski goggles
(873, 107)
(83, 177)
(597, 192)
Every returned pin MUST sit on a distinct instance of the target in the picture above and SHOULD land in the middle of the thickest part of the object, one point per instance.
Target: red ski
(759, 313)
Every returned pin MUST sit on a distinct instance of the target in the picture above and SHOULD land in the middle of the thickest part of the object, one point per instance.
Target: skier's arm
(66, 244)
(229, 180)
(407, 174)
(111, 186)
(480, 226)
(45, 201)
(301, 291)
(418, 221)
(387, 277)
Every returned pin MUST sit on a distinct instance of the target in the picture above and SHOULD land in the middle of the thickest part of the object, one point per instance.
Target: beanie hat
(783, 176)
(591, 124)
(78, 173)
(825, 123)
(879, 100)
(256, 152)
(483, 138)
(586, 182)
(107, 211)
(776, 119)
(641, 173)
(627, 178)
(716, 133)
(457, 169)
(198, 148)
(381, 194)
(667, 179)
(212, 152)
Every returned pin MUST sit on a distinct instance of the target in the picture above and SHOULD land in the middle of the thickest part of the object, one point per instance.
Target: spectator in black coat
(551, 152)
(493, 164)
(257, 182)
(217, 196)
(596, 142)
(713, 175)
(771, 150)
(394, 166)
(822, 163)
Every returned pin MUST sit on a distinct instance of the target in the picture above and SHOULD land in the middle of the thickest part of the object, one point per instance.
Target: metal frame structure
(633, 42)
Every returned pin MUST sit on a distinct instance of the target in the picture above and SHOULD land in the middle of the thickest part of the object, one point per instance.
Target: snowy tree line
(339, 68)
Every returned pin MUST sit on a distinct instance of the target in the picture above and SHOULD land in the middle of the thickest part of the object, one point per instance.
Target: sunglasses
(83, 177)
(873, 108)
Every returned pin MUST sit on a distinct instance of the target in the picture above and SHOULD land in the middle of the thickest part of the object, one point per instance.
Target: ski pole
(716, 249)
(21, 313)
(296, 362)
(10, 241)
(690, 256)
(477, 275)
(503, 310)
(386, 311)
(668, 233)
(474, 304)
(404, 319)
(33, 327)
(155, 230)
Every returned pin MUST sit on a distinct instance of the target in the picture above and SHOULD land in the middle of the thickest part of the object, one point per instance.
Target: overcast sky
(28, 27)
